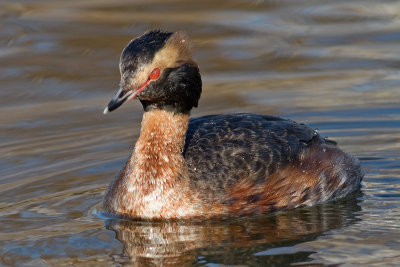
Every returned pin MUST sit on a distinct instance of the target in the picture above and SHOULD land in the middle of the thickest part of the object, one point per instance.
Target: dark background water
(331, 64)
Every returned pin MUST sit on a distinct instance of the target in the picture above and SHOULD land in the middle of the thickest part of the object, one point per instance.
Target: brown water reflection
(249, 241)
(332, 64)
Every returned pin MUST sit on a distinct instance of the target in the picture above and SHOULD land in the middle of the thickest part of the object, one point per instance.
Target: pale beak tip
(105, 111)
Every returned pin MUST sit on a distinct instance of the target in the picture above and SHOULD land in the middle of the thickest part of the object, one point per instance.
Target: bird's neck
(157, 155)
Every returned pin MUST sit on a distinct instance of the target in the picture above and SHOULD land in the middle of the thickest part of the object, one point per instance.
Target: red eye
(155, 73)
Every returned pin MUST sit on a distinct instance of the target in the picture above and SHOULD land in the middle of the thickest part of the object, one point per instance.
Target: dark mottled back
(220, 150)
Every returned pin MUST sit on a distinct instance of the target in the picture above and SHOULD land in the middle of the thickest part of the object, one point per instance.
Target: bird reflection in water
(232, 242)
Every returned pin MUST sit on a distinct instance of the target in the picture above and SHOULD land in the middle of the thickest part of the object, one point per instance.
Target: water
(331, 64)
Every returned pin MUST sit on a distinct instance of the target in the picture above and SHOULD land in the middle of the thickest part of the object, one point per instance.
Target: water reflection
(254, 241)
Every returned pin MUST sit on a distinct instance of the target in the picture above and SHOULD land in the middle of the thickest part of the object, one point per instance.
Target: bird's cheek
(146, 94)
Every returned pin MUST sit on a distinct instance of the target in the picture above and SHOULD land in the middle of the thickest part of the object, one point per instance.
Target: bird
(215, 166)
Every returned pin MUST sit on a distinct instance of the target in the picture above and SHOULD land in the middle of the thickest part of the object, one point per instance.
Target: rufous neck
(158, 151)
(164, 127)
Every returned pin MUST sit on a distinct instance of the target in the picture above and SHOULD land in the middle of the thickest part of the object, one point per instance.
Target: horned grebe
(214, 166)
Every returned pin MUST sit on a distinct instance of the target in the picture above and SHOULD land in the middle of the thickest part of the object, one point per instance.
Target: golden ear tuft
(181, 43)
(177, 50)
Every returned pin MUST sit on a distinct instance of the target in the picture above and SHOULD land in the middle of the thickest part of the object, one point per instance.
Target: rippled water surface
(332, 64)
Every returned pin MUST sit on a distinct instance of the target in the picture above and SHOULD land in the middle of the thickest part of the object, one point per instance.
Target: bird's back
(225, 154)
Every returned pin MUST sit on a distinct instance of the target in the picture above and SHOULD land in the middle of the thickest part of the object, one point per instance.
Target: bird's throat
(157, 157)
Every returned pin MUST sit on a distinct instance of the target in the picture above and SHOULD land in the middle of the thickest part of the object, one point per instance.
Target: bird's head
(158, 69)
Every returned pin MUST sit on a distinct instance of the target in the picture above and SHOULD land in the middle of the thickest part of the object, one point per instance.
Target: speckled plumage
(265, 163)
(214, 166)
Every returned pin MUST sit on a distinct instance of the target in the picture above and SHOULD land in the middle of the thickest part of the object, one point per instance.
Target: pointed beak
(119, 98)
